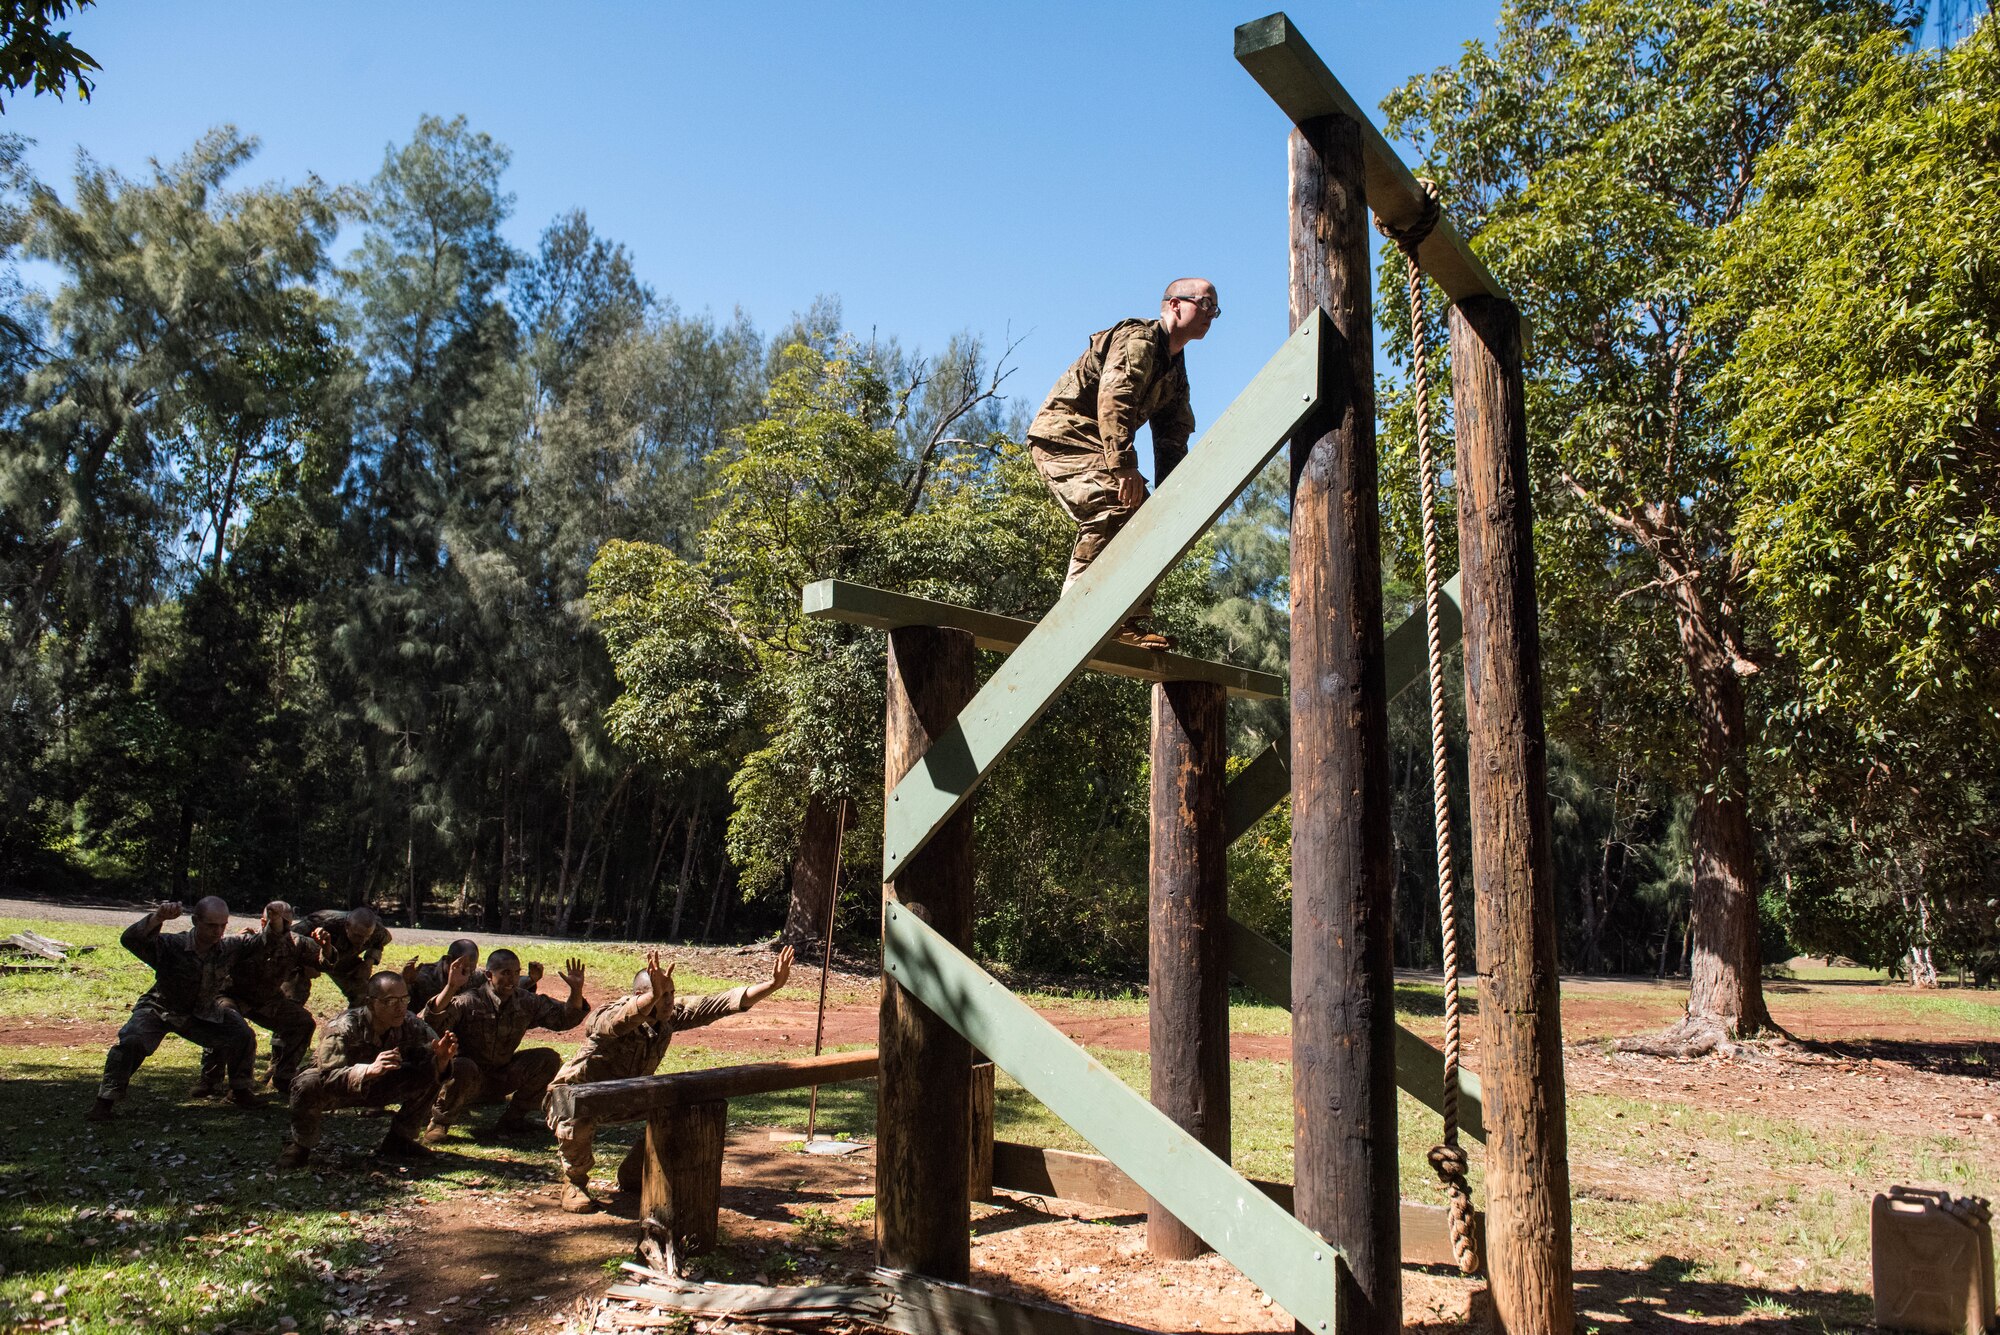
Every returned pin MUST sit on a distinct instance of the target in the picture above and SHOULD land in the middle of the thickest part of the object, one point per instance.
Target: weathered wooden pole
(1527, 1138)
(1188, 912)
(924, 1131)
(1343, 986)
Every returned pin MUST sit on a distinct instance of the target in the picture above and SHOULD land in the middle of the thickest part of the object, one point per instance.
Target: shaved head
(365, 917)
(212, 906)
(465, 945)
(503, 958)
(387, 983)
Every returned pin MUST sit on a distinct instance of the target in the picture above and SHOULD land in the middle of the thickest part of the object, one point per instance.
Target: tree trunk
(687, 867)
(183, 851)
(815, 871)
(1725, 988)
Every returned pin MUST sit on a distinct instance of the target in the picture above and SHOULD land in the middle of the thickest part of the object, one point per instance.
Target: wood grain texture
(680, 1193)
(609, 1101)
(1520, 1022)
(924, 1121)
(1188, 916)
(1343, 985)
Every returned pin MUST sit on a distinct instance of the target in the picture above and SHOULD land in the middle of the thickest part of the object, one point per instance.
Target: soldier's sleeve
(376, 945)
(1172, 425)
(621, 1017)
(336, 1062)
(698, 1011)
(447, 1015)
(549, 1013)
(1130, 363)
(142, 938)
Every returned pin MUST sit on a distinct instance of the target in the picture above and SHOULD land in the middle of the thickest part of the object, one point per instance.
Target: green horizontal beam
(1243, 439)
(860, 605)
(1254, 1233)
(1265, 781)
(1265, 967)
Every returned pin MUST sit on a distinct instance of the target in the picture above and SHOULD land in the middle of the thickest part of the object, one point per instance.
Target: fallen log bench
(687, 1116)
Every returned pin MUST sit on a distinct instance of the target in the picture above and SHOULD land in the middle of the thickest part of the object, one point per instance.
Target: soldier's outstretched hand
(445, 1049)
(167, 910)
(781, 968)
(410, 972)
(459, 974)
(573, 974)
(661, 979)
(535, 972)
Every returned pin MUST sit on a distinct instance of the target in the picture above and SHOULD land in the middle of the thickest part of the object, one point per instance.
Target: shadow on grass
(1666, 1295)
(1955, 1057)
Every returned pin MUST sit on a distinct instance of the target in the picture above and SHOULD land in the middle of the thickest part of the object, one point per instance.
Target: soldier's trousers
(227, 1038)
(414, 1088)
(525, 1077)
(1088, 494)
(576, 1142)
(291, 1027)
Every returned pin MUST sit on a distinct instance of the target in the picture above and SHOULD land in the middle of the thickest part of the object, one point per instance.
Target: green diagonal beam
(1254, 1233)
(1265, 781)
(1241, 442)
(1264, 966)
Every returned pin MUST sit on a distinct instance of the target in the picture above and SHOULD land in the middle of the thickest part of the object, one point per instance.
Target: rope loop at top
(1412, 236)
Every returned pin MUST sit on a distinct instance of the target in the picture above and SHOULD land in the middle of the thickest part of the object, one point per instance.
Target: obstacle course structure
(1330, 1254)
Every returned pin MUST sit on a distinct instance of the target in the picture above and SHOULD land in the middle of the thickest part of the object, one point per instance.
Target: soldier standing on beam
(1082, 440)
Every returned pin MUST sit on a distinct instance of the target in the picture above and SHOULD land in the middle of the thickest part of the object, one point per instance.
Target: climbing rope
(1447, 1159)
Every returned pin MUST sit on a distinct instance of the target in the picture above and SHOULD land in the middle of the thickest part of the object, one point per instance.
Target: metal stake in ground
(826, 961)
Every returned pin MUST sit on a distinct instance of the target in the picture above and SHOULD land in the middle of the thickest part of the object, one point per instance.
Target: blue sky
(1028, 170)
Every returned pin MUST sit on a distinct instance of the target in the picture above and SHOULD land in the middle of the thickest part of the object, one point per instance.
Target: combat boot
(435, 1133)
(243, 1098)
(294, 1155)
(402, 1147)
(513, 1122)
(205, 1086)
(101, 1111)
(577, 1200)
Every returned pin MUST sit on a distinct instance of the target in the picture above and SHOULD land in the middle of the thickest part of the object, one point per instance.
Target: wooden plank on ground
(32, 944)
(1284, 64)
(1091, 1179)
(635, 1100)
(926, 1306)
(1265, 967)
(861, 605)
(1252, 429)
(1276, 1252)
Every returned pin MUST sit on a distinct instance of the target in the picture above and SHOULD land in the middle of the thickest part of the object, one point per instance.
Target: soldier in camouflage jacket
(628, 1038)
(1082, 440)
(490, 1020)
(275, 962)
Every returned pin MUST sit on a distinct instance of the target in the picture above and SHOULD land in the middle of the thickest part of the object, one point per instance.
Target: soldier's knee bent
(538, 1066)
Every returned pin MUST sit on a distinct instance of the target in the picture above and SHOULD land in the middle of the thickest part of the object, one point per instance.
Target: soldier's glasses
(1209, 304)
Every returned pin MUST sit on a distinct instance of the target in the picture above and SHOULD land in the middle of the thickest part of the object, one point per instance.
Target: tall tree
(1594, 150)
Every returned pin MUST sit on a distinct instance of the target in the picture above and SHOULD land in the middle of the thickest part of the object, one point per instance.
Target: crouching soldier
(370, 1057)
(190, 970)
(351, 943)
(628, 1038)
(489, 1020)
(275, 962)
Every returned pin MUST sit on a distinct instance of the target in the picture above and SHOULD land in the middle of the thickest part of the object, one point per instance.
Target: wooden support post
(1527, 1139)
(680, 1193)
(979, 1176)
(925, 1089)
(1188, 1009)
(1343, 994)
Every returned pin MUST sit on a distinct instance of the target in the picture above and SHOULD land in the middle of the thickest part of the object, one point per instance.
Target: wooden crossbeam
(641, 1097)
(1274, 1250)
(1266, 968)
(1284, 64)
(860, 605)
(1253, 428)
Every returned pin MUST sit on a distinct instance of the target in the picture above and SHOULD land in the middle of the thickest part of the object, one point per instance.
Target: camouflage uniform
(272, 965)
(430, 981)
(619, 1043)
(184, 999)
(338, 1076)
(489, 1038)
(1082, 439)
(348, 965)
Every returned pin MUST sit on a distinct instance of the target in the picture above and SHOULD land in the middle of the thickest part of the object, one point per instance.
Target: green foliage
(33, 53)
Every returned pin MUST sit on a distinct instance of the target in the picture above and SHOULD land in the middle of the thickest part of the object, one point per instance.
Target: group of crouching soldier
(429, 1041)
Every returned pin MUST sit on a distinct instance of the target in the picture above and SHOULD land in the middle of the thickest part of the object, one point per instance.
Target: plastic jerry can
(1933, 1257)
